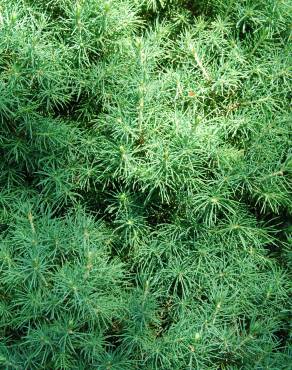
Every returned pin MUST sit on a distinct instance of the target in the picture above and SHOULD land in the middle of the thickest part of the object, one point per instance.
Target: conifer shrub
(145, 174)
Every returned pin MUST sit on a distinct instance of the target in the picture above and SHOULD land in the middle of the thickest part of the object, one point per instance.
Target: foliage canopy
(145, 184)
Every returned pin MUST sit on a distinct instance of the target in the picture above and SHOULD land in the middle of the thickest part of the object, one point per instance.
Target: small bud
(269, 294)
(107, 7)
(166, 154)
(197, 336)
(123, 197)
(214, 200)
(78, 11)
(13, 17)
(138, 42)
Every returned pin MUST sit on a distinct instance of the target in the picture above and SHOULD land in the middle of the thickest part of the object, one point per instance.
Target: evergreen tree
(145, 184)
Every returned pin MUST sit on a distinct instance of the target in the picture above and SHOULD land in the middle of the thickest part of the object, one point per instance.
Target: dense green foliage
(145, 175)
